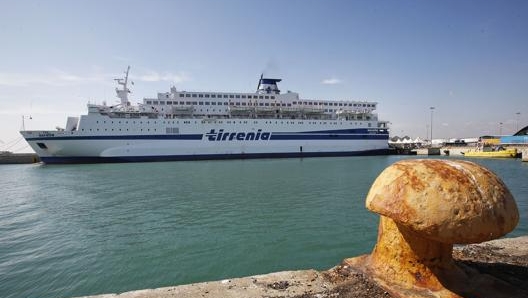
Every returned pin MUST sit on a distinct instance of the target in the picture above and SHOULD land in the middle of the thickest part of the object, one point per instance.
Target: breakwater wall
(18, 158)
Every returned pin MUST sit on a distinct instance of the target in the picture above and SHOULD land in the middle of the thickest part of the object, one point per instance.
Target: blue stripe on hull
(344, 131)
(328, 137)
(123, 137)
(120, 159)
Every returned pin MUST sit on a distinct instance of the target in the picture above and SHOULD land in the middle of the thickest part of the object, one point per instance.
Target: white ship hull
(210, 141)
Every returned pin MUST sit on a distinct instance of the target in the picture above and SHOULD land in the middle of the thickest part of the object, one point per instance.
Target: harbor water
(73, 230)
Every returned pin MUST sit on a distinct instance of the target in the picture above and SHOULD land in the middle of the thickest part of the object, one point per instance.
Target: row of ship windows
(176, 130)
(228, 122)
(225, 96)
(214, 110)
(336, 104)
(214, 103)
(262, 97)
(186, 121)
(225, 110)
(276, 122)
(106, 129)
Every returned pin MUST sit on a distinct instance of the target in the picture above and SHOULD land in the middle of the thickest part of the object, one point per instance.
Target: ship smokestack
(268, 86)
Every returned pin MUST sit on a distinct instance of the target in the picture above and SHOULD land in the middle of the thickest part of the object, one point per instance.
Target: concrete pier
(505, 259)
(524, 154)
(459, 151)
(428, 151)
(454, 151)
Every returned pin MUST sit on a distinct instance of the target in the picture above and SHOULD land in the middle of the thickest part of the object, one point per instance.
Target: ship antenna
(258, 86)
(123, 93)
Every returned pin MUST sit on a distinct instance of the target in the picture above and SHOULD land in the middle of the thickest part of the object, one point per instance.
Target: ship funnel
(268, 86)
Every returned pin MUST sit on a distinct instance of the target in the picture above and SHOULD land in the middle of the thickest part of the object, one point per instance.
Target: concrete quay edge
(277, 284)
(311, 283)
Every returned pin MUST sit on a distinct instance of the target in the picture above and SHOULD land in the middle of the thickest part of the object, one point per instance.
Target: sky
(467, 59)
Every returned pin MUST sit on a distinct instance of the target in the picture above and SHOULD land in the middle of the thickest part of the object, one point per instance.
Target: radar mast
(123, 93)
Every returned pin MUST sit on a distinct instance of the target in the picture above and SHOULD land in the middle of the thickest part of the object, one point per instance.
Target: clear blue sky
(468, 59)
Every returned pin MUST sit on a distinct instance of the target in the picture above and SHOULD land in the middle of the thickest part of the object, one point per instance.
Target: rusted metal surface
(426, 206)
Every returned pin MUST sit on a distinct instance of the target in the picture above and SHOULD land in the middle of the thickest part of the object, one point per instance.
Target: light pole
(500, 128)
(517, 122)
(432, 109)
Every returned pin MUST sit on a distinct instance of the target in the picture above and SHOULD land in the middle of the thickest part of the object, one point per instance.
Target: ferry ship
(185, 125)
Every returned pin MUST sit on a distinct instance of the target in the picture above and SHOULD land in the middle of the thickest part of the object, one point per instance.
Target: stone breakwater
(18, 158)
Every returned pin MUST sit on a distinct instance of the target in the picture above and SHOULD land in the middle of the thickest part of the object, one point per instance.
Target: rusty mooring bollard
(426, 206)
